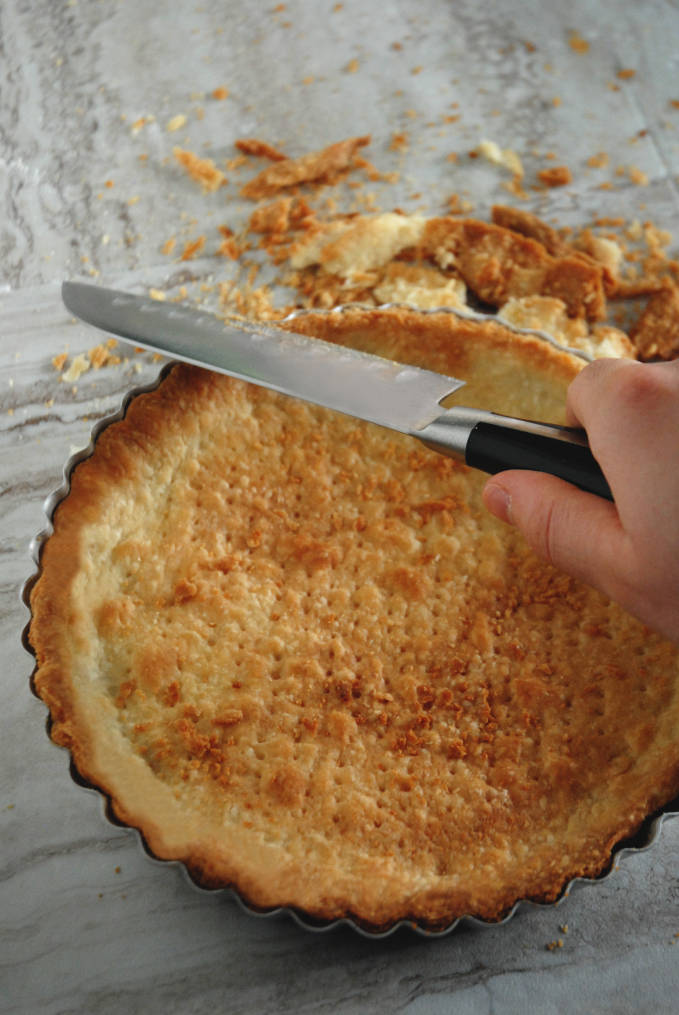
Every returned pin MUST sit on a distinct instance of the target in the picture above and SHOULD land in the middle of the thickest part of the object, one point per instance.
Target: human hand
(629, 549)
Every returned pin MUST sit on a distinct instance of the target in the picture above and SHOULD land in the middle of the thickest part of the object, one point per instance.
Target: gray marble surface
(88, 923)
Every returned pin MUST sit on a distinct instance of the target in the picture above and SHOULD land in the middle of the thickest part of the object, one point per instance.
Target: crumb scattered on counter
(400, 141)
(101, 355)
(506, 157)
(598, 161)
(577, 43)
(192, 248)
(260, 149)
(79, 365)
(203, 171)
(177, 122)
(555, 176)
(324, 166)
(637, 176)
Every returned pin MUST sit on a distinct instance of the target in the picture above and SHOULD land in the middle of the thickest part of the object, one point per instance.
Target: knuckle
(587, 387)
(550, 534)
(623, 389)
(640, 385)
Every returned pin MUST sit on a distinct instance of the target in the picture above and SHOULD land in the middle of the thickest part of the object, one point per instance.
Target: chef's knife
(393, 395)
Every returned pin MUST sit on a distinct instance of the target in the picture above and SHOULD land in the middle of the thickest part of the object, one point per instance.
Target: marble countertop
(88, 188)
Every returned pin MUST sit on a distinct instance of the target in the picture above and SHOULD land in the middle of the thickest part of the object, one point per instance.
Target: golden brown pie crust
(297, 653)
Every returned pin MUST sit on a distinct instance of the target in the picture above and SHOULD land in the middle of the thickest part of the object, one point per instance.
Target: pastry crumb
(555, 176)
(193, 248)
(203, 171)
(598, 161)
(260, 149)
(637, 176)
(400, 141)
(655, 333)
(324, 166)
(577, 43)
(98, 356)
(505, 157)
(176, 123)
(79, 365)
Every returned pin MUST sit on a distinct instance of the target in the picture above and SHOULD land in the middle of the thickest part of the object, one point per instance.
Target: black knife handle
(493, 448)
(493, 443)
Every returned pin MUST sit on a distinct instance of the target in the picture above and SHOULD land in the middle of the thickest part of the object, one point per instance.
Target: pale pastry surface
(298, 654)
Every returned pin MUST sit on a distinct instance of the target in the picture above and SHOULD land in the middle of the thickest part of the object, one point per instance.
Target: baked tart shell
(295, 652)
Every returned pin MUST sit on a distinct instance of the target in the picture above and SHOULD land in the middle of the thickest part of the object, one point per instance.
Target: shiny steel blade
(394, 395)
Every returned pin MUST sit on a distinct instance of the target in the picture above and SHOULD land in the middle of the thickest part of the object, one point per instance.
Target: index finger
(630, 411)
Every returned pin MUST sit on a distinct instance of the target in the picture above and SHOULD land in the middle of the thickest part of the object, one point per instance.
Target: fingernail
(498, 501)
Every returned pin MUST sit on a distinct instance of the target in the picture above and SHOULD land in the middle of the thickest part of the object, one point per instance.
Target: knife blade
(393, 395)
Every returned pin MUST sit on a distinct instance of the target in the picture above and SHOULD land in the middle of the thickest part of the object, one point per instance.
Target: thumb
(577, 532)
